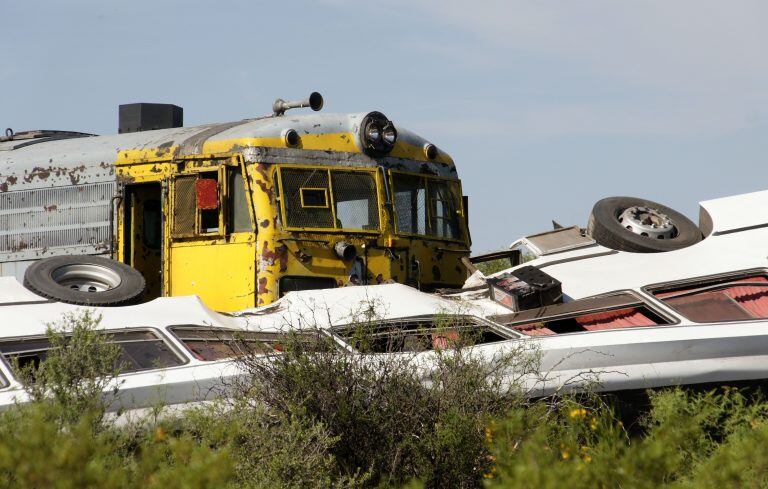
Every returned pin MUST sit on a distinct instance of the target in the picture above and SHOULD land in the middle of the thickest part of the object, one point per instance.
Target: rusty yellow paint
(240, 270)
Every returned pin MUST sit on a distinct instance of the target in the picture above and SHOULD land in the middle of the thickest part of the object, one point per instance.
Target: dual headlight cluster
(377, 134)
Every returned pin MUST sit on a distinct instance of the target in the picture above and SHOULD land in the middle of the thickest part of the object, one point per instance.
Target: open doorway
(144, 234)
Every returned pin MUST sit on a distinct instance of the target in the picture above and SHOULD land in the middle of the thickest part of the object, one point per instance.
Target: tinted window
(594, 321)
(139, 350)
(420, 334)
(209, 344)
(143, 350)
(613, 311)
(720, 300)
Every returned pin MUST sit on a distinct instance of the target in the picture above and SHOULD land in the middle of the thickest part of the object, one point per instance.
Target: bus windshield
(427, 206)
(330, 199)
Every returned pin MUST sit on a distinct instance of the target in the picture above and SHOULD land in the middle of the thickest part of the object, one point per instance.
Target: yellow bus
(242, 212)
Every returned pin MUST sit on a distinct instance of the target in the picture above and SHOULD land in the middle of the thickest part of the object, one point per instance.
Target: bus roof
(58, 161)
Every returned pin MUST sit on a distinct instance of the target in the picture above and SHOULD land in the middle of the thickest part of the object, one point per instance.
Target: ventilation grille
(32, 221)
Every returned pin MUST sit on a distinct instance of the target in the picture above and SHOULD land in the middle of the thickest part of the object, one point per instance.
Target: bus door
(144, 234)
(211, 250)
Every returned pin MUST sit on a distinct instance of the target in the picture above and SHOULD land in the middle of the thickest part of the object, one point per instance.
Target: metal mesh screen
(354, 194)
(410, 204)
(298, 215)
(184, 205)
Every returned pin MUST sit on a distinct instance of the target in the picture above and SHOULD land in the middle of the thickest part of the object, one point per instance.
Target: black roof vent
(147, 117)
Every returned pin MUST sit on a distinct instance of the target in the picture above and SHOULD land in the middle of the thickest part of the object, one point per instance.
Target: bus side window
(196, 204)
(238, 219)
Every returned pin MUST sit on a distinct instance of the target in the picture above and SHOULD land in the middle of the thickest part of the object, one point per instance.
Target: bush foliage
(316, 416)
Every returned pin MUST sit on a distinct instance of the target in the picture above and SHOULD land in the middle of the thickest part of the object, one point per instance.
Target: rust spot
(379, 278)
(263, 287)
(264, 223)
(279, 255)
(263, 171)
(49, 208)
(37, 172)
(74, 175)
(23, 245)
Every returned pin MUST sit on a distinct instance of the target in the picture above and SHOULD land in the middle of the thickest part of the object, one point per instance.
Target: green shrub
(713, 439)
(267, 450)
(78, 367)
(493, 266)
(391, 418)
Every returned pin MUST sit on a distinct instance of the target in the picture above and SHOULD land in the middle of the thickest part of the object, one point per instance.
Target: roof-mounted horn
(314, 102)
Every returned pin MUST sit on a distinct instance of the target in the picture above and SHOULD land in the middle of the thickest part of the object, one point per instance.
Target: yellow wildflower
(580, 413)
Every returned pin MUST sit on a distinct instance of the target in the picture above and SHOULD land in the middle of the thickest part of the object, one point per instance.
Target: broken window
(720, 300)
(139, 350)
(427, 206)
(421, 334)
(209, 344)
(332, 199)
(616, 311)
(207, 187)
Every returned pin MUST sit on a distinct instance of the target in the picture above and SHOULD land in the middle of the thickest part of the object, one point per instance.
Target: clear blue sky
(546, 106)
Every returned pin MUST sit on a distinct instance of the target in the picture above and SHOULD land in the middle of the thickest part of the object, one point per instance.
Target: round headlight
(390, 134)
(373, 134)
(377, 134)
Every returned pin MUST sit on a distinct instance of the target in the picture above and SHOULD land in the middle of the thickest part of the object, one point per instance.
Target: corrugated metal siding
(55, 221)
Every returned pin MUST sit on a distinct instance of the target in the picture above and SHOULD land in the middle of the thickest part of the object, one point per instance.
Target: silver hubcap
(648, 222)
(86, 277)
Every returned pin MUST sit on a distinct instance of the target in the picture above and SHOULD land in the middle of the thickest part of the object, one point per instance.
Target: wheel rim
(648, 222)
(86, 277)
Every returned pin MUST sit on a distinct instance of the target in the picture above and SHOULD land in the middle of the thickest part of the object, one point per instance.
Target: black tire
(605, 228)
(79, 280)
